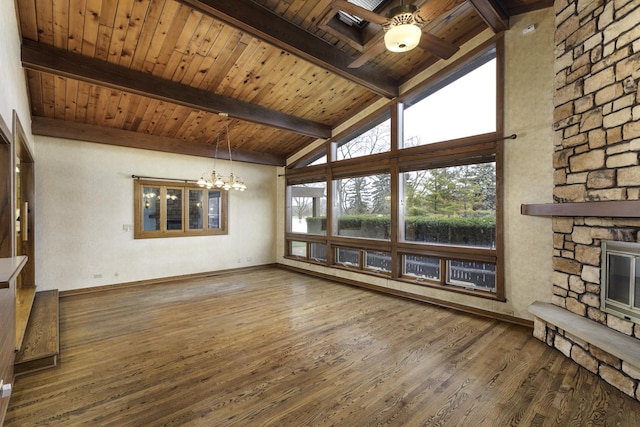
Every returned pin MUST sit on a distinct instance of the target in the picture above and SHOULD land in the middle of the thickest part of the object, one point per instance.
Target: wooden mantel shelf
(612, 209)
(10, 268)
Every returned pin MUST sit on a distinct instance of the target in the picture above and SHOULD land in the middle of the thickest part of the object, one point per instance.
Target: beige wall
(528, 174)
(13, 90)
(85, 200)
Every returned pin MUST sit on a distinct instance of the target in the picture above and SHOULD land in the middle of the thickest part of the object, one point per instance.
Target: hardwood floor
(277, 348)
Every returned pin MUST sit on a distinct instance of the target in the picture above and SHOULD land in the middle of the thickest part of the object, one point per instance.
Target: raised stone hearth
(596, 158)
(596, 347)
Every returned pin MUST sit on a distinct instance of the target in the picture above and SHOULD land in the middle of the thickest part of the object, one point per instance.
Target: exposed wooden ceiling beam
(493, 14)
(516, 7)
(273, 29)
(61, 62)
(124, 138)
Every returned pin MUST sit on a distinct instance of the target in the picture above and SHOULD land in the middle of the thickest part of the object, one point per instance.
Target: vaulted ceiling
(154, 74)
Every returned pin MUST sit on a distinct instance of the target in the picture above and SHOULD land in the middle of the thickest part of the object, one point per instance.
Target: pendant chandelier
(214, 179)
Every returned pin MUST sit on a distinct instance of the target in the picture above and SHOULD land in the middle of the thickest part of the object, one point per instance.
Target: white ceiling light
(402, 33)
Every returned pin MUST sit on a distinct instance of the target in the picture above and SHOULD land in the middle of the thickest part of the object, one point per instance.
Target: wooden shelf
(612, 209)
(10, 268)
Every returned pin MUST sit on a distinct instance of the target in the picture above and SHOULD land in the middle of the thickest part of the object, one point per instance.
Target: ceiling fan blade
(437, 46)
(373, 51)
(360, 12)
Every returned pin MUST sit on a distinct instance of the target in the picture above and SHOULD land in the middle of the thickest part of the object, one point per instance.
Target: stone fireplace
(596, 163)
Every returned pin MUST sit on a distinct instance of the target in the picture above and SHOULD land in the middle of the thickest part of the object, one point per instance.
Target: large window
(166, 209)
(307, 213)
(413, 197)
(462, 105)
(453, 205)
(362, 206)
(377, 139)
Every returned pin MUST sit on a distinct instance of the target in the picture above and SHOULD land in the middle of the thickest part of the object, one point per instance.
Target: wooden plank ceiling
(155, 73)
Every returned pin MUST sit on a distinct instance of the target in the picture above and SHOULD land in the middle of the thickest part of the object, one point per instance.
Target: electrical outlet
(5, 389)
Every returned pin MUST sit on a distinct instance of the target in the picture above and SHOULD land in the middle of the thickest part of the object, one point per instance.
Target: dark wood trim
(7, 227)
(608, 209)
(27, 194)
(61, 62)
(421, 298)
(265, 25)
(492, 14)
(517, 8)
(124, 138)
(159, 280)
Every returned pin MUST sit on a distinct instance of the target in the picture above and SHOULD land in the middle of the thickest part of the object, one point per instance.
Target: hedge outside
(455, 230)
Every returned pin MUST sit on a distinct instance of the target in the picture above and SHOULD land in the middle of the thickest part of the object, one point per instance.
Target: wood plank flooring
(276, 348)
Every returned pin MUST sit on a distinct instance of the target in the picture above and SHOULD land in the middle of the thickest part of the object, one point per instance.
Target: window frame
(473, 149)
(185, 231)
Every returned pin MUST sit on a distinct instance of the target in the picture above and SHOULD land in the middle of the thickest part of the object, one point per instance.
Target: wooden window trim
(468, 150)
(185, 231)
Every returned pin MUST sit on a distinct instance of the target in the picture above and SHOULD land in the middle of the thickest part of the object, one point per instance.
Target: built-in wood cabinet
(10, 269)
(17, 246)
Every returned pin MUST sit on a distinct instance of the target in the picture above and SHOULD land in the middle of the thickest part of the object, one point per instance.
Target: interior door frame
(27, 194)
(7, 211)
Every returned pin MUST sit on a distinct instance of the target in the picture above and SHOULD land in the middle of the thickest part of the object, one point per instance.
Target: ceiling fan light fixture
(402, 37)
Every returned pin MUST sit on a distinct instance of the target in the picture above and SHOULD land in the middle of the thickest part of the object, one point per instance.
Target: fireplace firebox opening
(620, 279)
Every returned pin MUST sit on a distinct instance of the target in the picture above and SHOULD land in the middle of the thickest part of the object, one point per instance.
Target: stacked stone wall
(596, 158)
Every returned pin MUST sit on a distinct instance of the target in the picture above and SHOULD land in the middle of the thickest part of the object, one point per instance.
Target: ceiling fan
(403, 31)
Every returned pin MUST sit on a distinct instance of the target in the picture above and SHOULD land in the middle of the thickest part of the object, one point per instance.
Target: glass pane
(348, 256)
(214, 209)
(619, 279)
(421, 266)
(195, 209)
(363, 206)
(320, 161)
(378, 261)
(375, 140)
(308, 212)
(318, 251)
(472, 274)
(454, 205)
(465, 107)
(299, 249)
(174, 209)
(151, 214)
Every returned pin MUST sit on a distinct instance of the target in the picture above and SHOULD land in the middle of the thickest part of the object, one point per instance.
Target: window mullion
(205, 210)
(163, 209)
